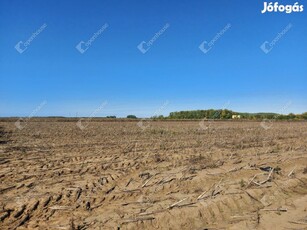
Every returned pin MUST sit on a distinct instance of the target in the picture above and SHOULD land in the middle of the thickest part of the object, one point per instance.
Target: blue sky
(235, 73)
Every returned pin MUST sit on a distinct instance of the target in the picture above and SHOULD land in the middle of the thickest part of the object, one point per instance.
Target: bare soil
(166, 175)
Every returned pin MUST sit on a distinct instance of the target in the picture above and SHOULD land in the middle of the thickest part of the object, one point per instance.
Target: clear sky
(235, 74)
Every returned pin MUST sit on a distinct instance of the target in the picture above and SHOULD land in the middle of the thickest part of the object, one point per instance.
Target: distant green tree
(304, 116)
(291, 116)
(160, 117)
(131, 116)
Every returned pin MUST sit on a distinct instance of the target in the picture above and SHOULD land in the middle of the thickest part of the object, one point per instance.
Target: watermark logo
(206, 46)
(23, 46)
(205, 123)
(83, 46)
(276, 7)
(22, 122)
(268, 123)
(82, 123)
(266, 46)
(145, 123)
(145, 46)
(20, 47)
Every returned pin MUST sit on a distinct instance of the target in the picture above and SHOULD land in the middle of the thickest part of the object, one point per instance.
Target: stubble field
(155, 175)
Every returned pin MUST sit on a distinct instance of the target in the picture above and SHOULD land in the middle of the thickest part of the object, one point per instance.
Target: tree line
(228, 114)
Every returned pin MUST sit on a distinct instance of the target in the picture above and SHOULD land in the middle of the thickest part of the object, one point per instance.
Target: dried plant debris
(114, 175)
